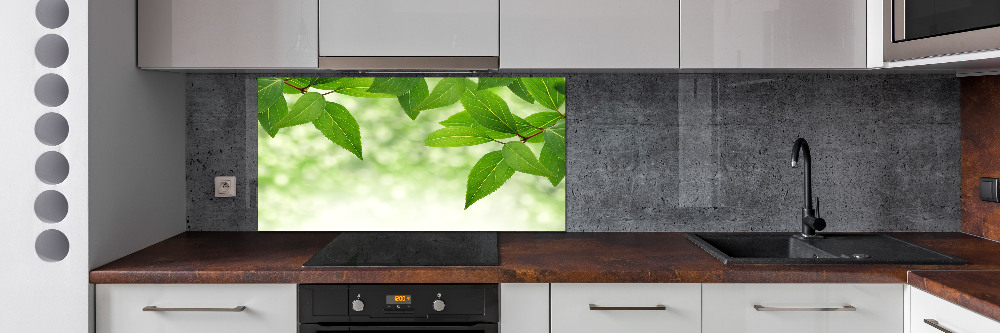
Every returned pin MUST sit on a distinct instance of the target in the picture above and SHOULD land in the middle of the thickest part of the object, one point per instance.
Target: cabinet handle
(233, 309)
(759, 307)
(935, 324)
(629, 308)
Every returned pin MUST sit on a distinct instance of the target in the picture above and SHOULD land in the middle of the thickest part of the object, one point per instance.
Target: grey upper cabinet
(222, 34)
(581, 34)
(780, 34)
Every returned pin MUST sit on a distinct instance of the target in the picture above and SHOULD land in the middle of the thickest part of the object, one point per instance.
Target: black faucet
(810, 222)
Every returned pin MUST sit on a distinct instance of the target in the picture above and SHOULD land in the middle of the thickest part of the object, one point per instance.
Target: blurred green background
(306, 182)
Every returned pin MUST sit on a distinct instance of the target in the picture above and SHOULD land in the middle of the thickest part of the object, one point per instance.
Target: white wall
(37, 295)
(125, 127)
(137, 185)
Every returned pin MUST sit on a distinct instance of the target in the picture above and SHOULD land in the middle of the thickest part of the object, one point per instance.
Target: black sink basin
(786, 248)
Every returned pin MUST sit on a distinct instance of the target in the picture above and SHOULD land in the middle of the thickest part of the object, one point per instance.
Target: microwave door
(916, 19)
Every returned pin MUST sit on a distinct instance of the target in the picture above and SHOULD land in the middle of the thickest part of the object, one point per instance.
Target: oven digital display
(397, 299)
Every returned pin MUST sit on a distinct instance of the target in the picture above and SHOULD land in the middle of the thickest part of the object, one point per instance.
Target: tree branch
(302, 90)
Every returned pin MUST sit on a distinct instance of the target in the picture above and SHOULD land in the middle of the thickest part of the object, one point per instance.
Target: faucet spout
(810, 222)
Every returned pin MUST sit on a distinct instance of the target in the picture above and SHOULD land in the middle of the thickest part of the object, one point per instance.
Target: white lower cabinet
(626, 307)
(802, 308)
(196, 308)
(930, 314)
(524, 308)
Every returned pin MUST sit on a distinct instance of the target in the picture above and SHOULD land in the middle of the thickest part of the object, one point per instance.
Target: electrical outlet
(225, 186)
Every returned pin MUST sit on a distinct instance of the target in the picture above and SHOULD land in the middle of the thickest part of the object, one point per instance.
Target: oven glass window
(929, 18)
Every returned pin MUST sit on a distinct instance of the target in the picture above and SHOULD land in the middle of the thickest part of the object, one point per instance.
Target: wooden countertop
(978, 291)
(277, 257)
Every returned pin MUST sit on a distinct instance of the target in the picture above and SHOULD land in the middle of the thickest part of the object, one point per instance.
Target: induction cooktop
(408, 249)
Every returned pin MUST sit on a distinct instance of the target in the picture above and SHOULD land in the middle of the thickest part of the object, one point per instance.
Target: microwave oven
(915, 29)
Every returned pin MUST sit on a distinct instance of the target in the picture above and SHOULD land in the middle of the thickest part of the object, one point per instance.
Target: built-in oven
(927, 28)
(388, 308)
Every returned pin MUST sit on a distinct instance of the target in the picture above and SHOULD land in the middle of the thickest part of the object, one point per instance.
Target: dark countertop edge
(969, 295)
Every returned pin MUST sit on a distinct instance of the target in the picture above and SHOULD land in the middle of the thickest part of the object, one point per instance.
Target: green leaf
(446, 92)
(561, 86)
(271, 116)
(327, 83)
(519, 157)
(544, 119)
(393, 85)
(305, 110)
(555, 137)
(338, 125)
(489, 110)
(527, 130)
(493, 82)
(533, 123)
(287, 89)
(544, 91)
(411, 99)
(553, 155)
(456, 137)
(300, 82)
(518, 88)
(358, 87)
(486, 177)
(268, 91)
(464, 119)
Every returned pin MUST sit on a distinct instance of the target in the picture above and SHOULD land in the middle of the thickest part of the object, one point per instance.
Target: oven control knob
(358, 305)
(438, 305)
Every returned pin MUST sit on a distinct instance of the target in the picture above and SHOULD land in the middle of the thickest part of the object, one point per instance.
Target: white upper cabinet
(779, 33)
(409, 28)
(589, 34)
(227, 34)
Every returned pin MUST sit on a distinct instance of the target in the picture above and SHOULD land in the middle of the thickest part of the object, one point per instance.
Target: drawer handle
(937, 325)
(233, 309)
(627, 308)
(759, 307)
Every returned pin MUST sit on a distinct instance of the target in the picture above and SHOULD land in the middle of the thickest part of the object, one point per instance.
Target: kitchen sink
(789, 248)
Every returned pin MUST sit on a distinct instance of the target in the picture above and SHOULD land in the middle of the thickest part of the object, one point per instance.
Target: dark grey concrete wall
(684, 152)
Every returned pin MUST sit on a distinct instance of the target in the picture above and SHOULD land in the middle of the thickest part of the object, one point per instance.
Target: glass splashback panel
(411, 154)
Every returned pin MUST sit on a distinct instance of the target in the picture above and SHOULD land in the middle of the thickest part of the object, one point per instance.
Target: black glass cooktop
(409, 249)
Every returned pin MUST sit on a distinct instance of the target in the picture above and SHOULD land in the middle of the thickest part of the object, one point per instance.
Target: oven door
(473, 328)
(927, 28)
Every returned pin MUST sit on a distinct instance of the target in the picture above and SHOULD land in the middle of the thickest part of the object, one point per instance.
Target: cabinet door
(626, 307)
(589, 34)
(227, 34)
(268, 308)
(802, 308)
(773, 34)
(409, 28)
(524, 308)
(951, 317)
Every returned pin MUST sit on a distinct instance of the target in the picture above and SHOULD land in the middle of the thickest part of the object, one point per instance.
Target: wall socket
(225, 186)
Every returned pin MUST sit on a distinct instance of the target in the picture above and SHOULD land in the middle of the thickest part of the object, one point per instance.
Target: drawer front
(572, 311)
(949, 316)
(409, 28)
(730, 308)
(269, 308)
